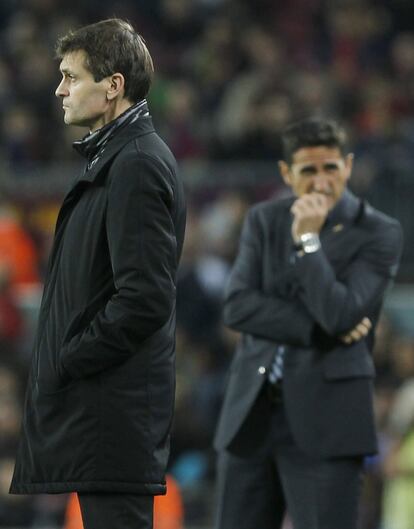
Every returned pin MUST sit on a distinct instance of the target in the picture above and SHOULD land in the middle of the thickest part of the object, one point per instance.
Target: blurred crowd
(229, 75)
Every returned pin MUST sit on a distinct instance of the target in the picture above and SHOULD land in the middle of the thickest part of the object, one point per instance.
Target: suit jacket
(306, 303)
(100, 396)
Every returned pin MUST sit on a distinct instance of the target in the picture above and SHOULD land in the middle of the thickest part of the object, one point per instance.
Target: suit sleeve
(250, 310)
(339, 305)
(143, 252)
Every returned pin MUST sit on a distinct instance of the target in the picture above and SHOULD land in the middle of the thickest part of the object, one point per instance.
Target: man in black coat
(305, 292)
(101, 390)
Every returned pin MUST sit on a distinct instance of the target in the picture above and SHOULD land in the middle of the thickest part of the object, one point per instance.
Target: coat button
(261, 370)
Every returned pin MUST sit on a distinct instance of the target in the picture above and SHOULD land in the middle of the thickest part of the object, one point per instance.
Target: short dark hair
(112, 46)
(312, 132)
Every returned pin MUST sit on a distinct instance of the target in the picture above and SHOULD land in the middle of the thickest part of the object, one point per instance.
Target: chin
(67, 119)
(73, 121)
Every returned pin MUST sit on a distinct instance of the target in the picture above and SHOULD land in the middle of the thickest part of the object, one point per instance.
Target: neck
(115, 109)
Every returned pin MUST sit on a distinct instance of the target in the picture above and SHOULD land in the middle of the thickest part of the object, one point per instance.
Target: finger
(316, 200)
(361, 329)
(364, 327)
(301, 210)
(358, 332)
(367, 323)
(308, 206)
(312, 202)
(301, 201)
(356, 335)
(296, 206)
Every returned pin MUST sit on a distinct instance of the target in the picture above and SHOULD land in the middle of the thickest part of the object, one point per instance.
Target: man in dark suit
(305, 292)
(100, 397)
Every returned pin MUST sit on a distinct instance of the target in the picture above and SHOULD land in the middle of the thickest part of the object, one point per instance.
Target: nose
(321, 183)
(61, 90)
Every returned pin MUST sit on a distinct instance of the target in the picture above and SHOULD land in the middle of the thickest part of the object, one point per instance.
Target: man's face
(318, 170)
(84, 100)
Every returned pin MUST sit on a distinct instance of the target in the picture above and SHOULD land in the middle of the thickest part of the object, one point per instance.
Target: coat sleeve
(339, 305)
(143, 253)
(248, 309)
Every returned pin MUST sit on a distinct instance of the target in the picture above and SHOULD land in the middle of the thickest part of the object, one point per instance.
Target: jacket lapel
(341, 219)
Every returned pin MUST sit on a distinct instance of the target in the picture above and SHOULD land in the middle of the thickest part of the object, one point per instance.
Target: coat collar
(135, 130)
(140, 128)
(344, 213)
(120, 136)
(100, 147)
(91, 146)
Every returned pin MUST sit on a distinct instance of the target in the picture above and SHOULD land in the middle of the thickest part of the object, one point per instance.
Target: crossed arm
(341, 309)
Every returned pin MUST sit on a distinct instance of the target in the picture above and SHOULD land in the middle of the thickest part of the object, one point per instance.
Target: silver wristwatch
(310, 242)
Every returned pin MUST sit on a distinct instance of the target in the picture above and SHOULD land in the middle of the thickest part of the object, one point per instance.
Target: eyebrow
(307, 168)
(311, 166)
(66, 71)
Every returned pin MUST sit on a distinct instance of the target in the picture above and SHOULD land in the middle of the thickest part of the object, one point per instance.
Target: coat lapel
(340, 220)
(139, 128)
(99, 169)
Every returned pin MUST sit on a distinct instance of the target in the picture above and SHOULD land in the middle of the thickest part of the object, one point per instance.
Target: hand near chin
(309, 214)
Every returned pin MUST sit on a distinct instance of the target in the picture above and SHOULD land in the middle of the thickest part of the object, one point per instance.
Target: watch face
(310, 242)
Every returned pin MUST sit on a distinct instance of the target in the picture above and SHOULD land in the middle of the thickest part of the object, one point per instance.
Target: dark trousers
(116, 511)
(259, 479)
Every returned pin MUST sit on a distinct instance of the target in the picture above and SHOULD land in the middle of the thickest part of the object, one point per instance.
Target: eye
(69, 76)
(331, 167)
(308, 171)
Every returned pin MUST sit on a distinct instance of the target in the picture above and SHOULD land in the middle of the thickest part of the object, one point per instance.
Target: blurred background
(229, 75)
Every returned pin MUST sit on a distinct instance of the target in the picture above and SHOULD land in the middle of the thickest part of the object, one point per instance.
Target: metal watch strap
(310, 242)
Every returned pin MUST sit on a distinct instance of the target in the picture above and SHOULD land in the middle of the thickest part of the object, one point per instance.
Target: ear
(349, 163)
(285, 172)
(116, 86)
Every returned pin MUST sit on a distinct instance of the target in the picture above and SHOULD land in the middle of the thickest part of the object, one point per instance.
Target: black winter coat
(100, 397)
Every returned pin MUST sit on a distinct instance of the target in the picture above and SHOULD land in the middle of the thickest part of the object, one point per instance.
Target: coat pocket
(349, 362)
(48, 378)
(73, 326)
